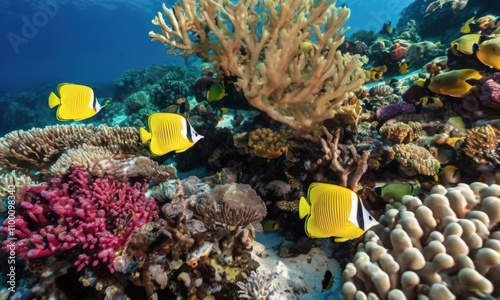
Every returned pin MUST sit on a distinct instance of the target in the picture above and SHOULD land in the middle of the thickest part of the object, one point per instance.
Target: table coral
(297, 87)
(98, 214)
(444, 247)
(414, 160)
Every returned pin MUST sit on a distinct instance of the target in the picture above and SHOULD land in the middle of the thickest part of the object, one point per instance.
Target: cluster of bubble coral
(481, 143)
(98, 214)
(401, 133)
(414, 160)
(267, 143)
(444, 247)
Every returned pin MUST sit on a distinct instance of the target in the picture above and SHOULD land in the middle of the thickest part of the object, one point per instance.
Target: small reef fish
(403, 68)
(450, 174)
(391, 81)
(76, 102)
(181, 108)
(457, 122)
(216, 92)
(465, 44)
(377, 72)
(271, 225)
(489, 52)
(334, 211)
(438, 43)
(327, 281)
(431, 101)
(169, 132)
(466, 28)
(396, 191)
(308, 46)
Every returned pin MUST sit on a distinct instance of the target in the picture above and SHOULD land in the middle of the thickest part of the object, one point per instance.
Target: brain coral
(414, 160)
(444, 247)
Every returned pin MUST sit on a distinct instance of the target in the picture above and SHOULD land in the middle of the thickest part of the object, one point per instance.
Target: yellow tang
(334, 211)
(169, 132)
(76, 102)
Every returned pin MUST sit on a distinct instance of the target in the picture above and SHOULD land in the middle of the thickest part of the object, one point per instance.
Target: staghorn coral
(401, 133)
(258, 286)
(298, 87)
(415, 160)
(481, 144)
(267, 143)
(38, 148)
(348, 168)
(98, 214)
(444, 247)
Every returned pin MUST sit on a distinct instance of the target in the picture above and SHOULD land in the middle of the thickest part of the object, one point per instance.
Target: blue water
(93, 41)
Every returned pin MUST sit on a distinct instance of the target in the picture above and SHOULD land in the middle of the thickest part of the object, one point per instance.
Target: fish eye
(370, 218)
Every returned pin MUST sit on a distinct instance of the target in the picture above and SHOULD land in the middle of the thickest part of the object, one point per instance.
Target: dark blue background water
(94, 41)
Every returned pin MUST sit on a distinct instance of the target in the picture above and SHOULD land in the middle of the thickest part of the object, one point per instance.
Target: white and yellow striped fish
(76, 102)
(334, 211)
(169, 132)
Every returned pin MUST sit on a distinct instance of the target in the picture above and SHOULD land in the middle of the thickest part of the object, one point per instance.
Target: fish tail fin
(304, 208)
(54, 100)
(145, 135)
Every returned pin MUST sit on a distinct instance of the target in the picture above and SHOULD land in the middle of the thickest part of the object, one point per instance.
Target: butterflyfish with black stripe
(334, 211)
(169, 132)
(76, 102)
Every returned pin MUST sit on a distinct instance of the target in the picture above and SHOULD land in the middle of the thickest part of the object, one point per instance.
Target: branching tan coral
(38, 148)
(342, 161)
(401, 133)
(295, 83)
(415, 160)
(444, 247)
(480, 141)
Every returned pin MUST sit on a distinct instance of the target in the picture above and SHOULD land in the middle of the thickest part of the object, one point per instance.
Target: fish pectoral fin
(54, 100)
(341, 240)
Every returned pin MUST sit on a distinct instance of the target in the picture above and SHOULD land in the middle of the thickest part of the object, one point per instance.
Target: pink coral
(97, 214)
(398, 52)
(490, 92)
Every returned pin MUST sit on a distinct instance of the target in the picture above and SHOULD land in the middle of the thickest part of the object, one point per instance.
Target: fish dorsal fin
(60, 86)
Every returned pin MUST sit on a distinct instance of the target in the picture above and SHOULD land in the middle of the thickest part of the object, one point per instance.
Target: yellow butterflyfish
(169, 132)
(431, 101)
(334, 211)
(76, 102)
(489, 53)
(457, 122)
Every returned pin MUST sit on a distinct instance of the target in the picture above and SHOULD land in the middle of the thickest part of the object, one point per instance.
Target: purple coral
(98, 214)
(384, 113)
(490, 92)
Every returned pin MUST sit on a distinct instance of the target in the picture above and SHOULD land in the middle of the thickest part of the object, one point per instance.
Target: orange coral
(267, 143)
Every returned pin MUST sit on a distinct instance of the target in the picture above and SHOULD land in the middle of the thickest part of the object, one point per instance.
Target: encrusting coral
(290, 69)
(415, 160)
(401, 133)
(38, 148)
(444, 247)
(267, 143)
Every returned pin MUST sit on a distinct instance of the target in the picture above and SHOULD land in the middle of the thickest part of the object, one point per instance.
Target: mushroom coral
(444, 247)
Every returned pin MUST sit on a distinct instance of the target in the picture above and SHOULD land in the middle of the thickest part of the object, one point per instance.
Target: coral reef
(401, 133)
(258, 286)
(443, 247)
(481, 144)
(298, 88)
(267, 143)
